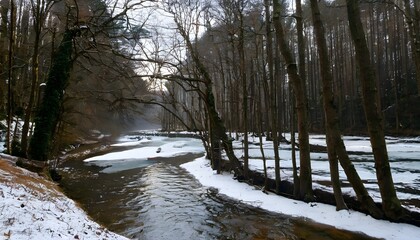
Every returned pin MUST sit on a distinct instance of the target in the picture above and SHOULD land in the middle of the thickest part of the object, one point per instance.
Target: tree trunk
(390, 202)
(38, 23)
(3, 60)
(301, 40)
(271, 96)
(242, 73)
(330, 110)
(302, 73)
(48, 115)
(417, 49)
(301, 105)
(215, 150)
(296, 180)
(10, 75)
(412, 16)
(260, 134)
(219, 131)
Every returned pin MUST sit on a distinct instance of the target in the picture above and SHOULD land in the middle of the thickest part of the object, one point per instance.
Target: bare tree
(412, 15)
(39, 12)
(182, 15)
(10, 81)
(301, 105)
(335, 145)
(390, 203)
(270, 92)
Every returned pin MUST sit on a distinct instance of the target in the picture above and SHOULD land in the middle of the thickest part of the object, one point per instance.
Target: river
(157, 199)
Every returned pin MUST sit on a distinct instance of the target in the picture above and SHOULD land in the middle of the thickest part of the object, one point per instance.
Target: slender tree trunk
(390, 202)
(10, 75)
(296, 180)
(306, 191)
(3, 60)
(38, 22)
(301, 40)
(259, 113)
(302, 73)
(242, 73)
(271, 96)
(412, 17)
(330, 110)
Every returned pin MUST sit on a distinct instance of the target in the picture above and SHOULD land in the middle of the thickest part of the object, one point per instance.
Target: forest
(219, 68)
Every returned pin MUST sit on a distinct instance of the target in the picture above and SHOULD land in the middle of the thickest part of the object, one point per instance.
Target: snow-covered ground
(33, 208)
(403, 154)
(322, 213)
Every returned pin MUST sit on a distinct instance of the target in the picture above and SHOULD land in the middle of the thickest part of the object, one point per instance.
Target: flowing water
(156, 199)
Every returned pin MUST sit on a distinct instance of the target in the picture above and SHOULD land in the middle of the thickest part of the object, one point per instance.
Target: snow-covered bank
(33, 208)
(322, 213)
(404, 160)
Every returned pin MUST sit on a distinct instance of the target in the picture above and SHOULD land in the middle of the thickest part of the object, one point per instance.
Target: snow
(33, 208)
(322, 213)
(403, 154)
(167, 149)
(29, 214)
(149, 149)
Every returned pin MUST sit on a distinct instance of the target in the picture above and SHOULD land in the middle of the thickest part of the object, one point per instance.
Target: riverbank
(32, 207)
(318, 212)
(325, 214)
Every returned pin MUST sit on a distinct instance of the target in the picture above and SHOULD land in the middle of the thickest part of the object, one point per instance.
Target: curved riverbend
(159, 200)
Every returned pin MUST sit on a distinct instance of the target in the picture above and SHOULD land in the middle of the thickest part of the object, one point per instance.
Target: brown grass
(11, 174)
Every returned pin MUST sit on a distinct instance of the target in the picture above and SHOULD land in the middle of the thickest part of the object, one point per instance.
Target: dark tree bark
(48, 114)
(219, 131)
(330, 110)
(38, 19)
(301, 40)
(271, 95)
(242, 73)
(412, 16)
(10, 75)
(390, 202)
(302, 73)
(301, 105)
(296, 180)
(3, 60)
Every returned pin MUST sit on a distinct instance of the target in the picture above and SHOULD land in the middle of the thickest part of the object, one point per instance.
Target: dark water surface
(160, 200)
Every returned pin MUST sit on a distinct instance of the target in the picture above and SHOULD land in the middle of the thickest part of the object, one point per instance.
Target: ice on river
(404, 154)
(149, 148)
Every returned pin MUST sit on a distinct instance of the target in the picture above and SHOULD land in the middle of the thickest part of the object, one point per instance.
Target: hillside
(32, 207)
